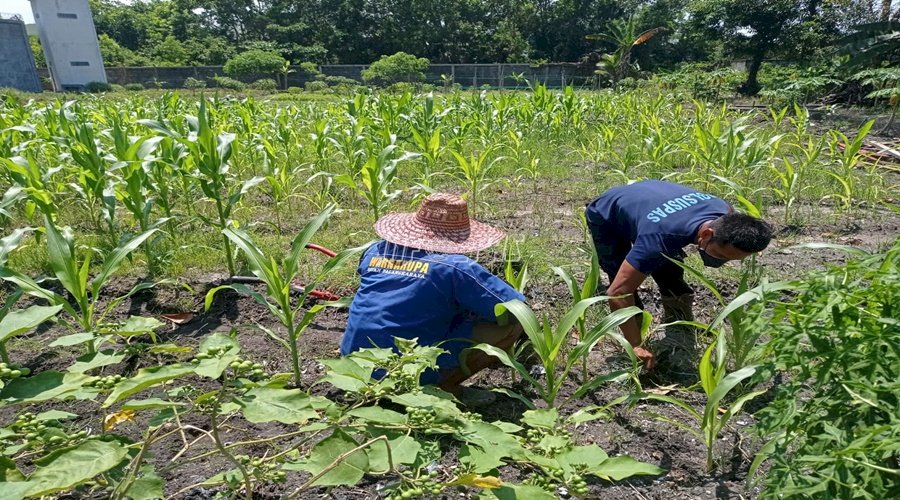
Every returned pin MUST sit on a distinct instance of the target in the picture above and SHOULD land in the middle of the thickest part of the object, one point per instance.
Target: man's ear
(705, 234)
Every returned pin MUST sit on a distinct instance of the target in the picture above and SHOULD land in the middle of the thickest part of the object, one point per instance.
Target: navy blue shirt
(410, 293)
(657, 217)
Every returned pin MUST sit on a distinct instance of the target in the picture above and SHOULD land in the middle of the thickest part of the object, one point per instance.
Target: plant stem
(248, 487)
(223, 223)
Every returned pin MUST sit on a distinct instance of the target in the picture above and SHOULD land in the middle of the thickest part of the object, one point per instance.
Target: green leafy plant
(549, 343)
(279, 275)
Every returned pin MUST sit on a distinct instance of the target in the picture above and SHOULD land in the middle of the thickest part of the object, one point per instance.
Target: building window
(80, 63)
(63, 15)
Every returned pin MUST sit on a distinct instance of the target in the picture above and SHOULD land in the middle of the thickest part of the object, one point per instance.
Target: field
(135, 367)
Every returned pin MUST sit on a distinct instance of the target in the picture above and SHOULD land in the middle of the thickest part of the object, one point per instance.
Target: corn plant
(475, 172)
(279, 275)
(582, 292)
(210, 154)
(85, 307)
(717, 384)
(377, 176)
(549, 344)
(846, 151)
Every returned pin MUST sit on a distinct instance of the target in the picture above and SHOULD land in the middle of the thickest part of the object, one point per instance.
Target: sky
(22, 7)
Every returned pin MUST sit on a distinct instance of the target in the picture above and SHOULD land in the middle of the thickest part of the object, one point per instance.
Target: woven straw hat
(441, 224)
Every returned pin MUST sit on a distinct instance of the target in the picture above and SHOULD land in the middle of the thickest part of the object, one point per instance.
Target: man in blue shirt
(634, 229)
(417, 284)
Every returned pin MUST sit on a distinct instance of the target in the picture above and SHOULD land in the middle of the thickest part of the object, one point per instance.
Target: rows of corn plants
(96, 188)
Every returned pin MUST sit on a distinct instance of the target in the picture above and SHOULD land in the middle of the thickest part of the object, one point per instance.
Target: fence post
(563, 75)
(500, 76)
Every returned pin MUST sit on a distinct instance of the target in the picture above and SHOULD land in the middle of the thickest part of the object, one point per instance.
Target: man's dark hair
(743, 231)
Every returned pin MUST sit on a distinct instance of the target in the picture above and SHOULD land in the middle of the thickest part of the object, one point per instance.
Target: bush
(134, 87)
(400, 67)
(97, 87)
(228, 83)
(316, 86)
(335, 81)
(402, 88)
(294, 90)
(254, 62)
(115, 87)
(310, 69)
(194, 83)
(266, 84)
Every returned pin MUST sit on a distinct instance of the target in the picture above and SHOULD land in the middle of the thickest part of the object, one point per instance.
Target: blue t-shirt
(657, 217)
(410, 293)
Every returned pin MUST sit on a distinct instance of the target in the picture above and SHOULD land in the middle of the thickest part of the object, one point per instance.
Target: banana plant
(279, 274)
(717, 384)
(549, 344)
(85, 309)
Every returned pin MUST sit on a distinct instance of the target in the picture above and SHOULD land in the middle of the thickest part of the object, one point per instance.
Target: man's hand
(646, 356)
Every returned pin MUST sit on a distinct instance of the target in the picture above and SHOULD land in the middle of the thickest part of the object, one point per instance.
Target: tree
(39, 60)
(753, 28)
(400, 67)
(255, 62)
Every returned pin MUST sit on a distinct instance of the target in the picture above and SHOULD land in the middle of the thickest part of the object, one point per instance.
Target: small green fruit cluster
(10, 372)
(420, 417)
(105, 383)
(406, 382)
(247, 368)
(425, 485)
(261, 469)
(40, 433)
(577, 485)
(214, 352)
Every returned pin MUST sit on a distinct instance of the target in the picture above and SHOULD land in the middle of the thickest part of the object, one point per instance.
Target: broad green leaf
(70, 467)
(149, 403)
(546, 418)
(522, 492)
(214, 366)
(621, 467)
(138, 325)
(725, 386)
(146, 377)
(404, 450)
(478, 460)
(337, 448)
(149, 486)
(264, 404)
(61, 252)
(45, 386)
(378, 415)
(589, 455)
(72, 339)
(9, 472)
(54, 415)
(23, 320)
(529, 323)
(94, 360)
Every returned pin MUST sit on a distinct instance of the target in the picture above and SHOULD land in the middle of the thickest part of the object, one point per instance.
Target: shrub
(194, 83)
(134, 87)
(310, 69)
(97, 87)
(115, 87)
(266, 84)
(228, 83)
(254, 62)
(316, 86)
(294, 90)
(400, 67)
(402, 88)
(335, 81)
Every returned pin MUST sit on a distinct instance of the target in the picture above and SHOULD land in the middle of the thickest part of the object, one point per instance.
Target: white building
(69, 40)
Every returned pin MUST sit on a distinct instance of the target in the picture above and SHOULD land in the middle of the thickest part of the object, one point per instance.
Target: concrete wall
(69, 40)
(17, 68)
(467, 75)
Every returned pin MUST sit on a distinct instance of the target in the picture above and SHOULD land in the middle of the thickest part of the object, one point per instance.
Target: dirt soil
(635, 431)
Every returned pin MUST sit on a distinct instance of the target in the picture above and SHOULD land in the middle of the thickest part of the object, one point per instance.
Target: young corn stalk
(549, 344)
(846, 152)
(716, 385)
(84, 306)
(279, 274)
(377, 176)
(475, 172)
(210, 154)
(581, 292)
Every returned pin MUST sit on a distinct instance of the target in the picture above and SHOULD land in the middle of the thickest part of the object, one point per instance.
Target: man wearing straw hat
(417, 284)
